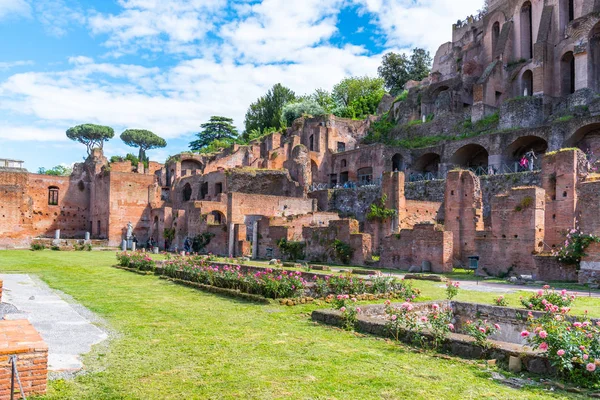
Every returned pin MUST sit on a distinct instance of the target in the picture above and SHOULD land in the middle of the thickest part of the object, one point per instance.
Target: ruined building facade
(520, 82)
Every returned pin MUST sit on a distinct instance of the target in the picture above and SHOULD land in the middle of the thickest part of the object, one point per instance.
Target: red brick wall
(319, 241)
(21, 339)
(463, 212)
(413, 246)
(241, 205)
(516, 234)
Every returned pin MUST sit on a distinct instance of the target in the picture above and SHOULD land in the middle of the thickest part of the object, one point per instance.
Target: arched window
(52, 196)
(567, 73)
(397, 163)
(187, 192)
(311, 143)
(218, 218)
(495, 37)
(343, 164)
(526, 31)
(527, 83)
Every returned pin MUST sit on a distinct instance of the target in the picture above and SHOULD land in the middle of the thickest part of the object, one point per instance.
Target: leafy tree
(219, 129)
(59, 170)
(324, 99)
(266, 112)
(143, 139)
(129, 157)
(397, 69)
(293, 111)
(93, 136)
(358, 97)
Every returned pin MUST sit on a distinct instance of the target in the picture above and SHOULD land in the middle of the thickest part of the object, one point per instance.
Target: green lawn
(174, 342)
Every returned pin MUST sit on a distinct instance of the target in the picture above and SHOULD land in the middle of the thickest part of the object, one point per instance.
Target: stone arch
(397, 162)
(527, 83)
(191, 165)
(429, 162)
(586, 138)
(517, 149)
(471, 156)
(594, 58)
(217, 218)
(314, 171)
(186, 193)
(526, 30)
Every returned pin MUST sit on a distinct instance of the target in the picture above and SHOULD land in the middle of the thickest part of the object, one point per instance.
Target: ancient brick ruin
(520, 82)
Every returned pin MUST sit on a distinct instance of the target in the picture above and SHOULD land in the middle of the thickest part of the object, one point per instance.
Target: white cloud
(31, 133)
(14, 7)
(157, 25)
(12, 64)
(58, 16)
(423, 23)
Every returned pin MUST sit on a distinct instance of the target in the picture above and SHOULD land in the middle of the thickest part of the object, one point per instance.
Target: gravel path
(66, 327)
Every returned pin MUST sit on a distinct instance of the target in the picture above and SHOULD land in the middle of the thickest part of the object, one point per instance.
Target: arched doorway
(427, 163)
(217, 218)
(526, 23)
(531, 147)
(191, 167)
(187, 192)
(567, 73)
(527, 83)
(472, 156)
(495, 37)
(587, 139)
(397, 163)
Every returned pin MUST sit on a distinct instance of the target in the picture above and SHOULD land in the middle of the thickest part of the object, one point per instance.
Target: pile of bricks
(20, 338)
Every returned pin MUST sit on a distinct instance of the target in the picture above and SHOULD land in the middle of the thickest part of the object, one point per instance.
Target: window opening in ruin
(567, 72)
(495, 37)
(527, 83)
(218, 188)
(397, 163)
(571, 10)
(343, 164)
(498, 97)
(52, 196)
(218, 218)
(526, 31)
(311, 143)
(365, 176)
(203, 190)
(343, 177)
(333, 180)
(341, 147)
(187, 192)
(594, 58)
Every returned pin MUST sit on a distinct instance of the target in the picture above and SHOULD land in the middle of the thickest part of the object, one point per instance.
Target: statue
(531, 157)
(129, 230)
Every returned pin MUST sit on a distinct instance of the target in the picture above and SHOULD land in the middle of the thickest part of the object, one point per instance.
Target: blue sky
(168, 65)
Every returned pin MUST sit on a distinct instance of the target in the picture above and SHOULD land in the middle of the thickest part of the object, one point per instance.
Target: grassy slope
(175, 342)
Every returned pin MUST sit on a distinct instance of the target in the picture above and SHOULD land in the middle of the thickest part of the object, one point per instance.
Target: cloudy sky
(168, 65)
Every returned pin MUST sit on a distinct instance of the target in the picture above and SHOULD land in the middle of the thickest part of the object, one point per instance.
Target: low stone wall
(20, 338)
(457, 344)
(550, 269)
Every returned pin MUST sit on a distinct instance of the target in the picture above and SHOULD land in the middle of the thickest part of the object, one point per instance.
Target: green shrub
(343, 251)
(379, 212)
(37, 246)
(291, 250)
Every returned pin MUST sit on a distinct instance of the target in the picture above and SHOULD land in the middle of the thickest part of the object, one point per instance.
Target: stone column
(87, 236)
(57, 234)
(255, 240)
(124, 245)
(231, 239)
(132, 246)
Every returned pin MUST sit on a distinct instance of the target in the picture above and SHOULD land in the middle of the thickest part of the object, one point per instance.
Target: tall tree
(143, 139)
(324, 99)
(93, 136)
(358, 97)
(292, 111)
(397, 69)
(266, 112)
(217, 128)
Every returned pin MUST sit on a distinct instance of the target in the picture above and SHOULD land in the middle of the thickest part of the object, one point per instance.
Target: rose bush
(136, 260)
(546, 297)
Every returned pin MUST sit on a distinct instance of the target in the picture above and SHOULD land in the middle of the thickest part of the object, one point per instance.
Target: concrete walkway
(62, 325)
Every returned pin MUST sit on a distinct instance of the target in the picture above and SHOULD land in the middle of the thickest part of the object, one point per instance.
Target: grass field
(174, 342)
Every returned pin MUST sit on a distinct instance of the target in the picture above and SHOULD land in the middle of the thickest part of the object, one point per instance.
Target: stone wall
(241, 205)
(425, 190)
(494, 185)
(319, 242)
(414, 246)
(590, 265)
(21, 339)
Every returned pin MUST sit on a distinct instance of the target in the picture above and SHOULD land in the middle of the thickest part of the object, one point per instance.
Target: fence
(513, 168)
(375, 183)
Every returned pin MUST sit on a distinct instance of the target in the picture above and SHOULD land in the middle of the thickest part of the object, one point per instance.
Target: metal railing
(375, 183)
(504, 169)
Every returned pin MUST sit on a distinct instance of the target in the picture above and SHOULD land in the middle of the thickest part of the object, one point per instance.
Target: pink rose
(591, 367)
(582, 348)
(525, 333)
(394, 317)
(560, 353)
(497, 327)
(343, 309)
(357, 309)
(481, 329)
(435, 307)
(451, 327)
(423, 319)
(543, 334)
(544, 346)
(585, 357)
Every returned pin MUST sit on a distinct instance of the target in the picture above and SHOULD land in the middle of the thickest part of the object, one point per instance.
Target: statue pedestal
(129, 243)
